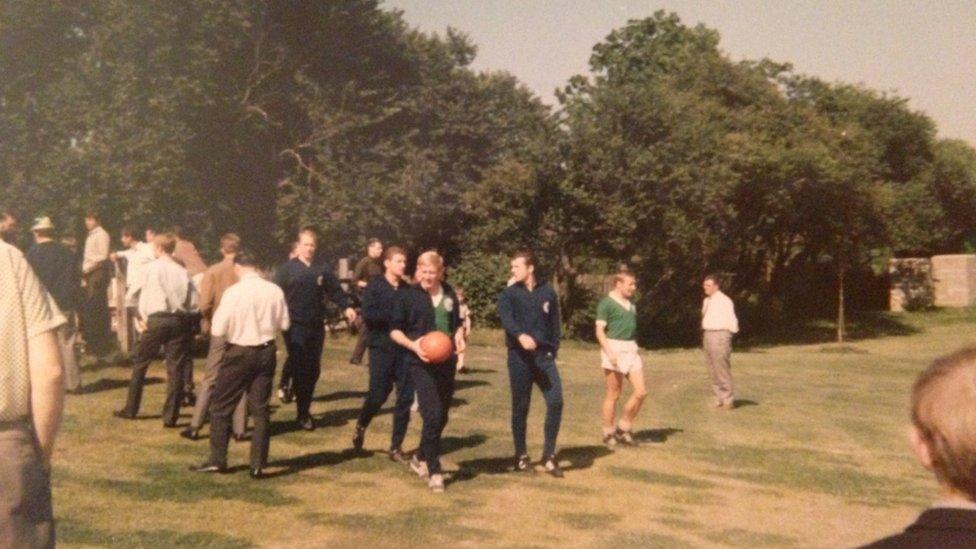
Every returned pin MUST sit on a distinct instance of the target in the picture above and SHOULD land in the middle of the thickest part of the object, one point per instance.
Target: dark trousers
(26, 516)
(304, 342)
(362, 333)
(525, 369)
(172, 333)
(95, 321)
(386, 370)
(250, 371)
(435, 389)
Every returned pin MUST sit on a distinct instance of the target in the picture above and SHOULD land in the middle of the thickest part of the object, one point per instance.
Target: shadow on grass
(579, 458)
(298, 464)
(463, 384)
(743, 403)
(861, 326)
(340, 395)
(468, 370)
(656, 435)
(453, 444)
(112, 384)
(173, 482)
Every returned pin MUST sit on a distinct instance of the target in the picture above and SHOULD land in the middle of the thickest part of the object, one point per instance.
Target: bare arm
(47, 389)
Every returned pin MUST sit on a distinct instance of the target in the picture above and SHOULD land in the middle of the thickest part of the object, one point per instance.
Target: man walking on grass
(529, 312)
(719, 324)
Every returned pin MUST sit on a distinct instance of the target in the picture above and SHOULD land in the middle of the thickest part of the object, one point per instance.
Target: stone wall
(954, 278)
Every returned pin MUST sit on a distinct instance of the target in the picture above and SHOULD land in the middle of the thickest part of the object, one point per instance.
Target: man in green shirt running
(616, 328)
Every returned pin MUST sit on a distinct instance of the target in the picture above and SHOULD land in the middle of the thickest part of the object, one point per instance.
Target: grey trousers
(215, 356)
(717, 345)
(26, 516)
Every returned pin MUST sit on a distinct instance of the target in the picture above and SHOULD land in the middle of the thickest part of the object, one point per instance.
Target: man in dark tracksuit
(306, 284)
(422, 308)
(529, 312)
(386, 367)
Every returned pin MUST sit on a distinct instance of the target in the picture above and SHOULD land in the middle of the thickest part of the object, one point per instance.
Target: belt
(264, 345)
(178, 314)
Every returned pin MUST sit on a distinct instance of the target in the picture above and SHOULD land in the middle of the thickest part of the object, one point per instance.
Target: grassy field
(814, 457)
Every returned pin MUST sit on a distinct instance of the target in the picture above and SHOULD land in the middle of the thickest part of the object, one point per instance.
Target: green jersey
(621, 322)
(442, 315)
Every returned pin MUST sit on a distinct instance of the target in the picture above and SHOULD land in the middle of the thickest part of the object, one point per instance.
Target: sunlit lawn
(813, 457)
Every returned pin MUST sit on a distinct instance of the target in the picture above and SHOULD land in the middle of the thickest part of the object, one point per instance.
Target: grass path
(815, 458)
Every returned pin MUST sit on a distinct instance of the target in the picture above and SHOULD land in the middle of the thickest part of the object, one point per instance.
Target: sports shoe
(419, 467)
(610, 439)
(625, 437)
(359, 438)
(552, 467)
(436, 483)
(523, 464)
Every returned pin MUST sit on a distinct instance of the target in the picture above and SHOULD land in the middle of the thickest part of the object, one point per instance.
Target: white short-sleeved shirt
(28, 310)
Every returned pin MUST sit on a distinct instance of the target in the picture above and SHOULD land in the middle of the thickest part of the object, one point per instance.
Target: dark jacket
(58, 270)
(306, 288)
(534, 313)
(936, 527)
(413, 314)
(379, 299)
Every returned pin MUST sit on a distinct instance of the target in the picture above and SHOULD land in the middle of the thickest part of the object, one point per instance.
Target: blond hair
(431, 259)
(165, 242)
(944, 412)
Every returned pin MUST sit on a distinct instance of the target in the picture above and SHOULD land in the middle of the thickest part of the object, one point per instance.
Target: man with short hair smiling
(529, 312)
(386, 366)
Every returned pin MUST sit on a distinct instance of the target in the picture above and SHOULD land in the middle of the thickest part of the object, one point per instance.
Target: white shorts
(628, 358)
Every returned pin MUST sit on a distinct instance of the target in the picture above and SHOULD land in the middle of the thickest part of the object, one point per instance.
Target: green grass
(815, 457)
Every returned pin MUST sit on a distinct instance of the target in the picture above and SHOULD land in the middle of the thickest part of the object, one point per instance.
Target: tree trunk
(841, 271)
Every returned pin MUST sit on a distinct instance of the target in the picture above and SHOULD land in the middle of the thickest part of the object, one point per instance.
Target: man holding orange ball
(425, 307)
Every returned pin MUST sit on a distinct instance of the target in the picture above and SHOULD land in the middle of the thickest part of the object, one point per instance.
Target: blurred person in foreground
(31, 402)
(943, 438)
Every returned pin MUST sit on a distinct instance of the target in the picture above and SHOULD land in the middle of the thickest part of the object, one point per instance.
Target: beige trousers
(717, 345)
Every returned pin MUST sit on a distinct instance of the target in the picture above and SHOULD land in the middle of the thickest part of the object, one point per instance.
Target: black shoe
(170, 425)
(256, 473)
(523, 464)
(552, 467)
(285, 395)
(306, 423)
(359, 439)
(397, 456)
(122, 414)
(207, 467)
(190, 433)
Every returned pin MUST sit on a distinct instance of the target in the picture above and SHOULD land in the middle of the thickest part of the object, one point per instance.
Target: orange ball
(437, 346)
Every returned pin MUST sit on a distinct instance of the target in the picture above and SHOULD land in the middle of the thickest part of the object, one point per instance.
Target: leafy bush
(483, 277)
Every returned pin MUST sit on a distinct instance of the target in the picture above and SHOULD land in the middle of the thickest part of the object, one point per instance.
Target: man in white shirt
(96, 272)
(719, 323)
(138, 255)
(165, 302)
(250, 315)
